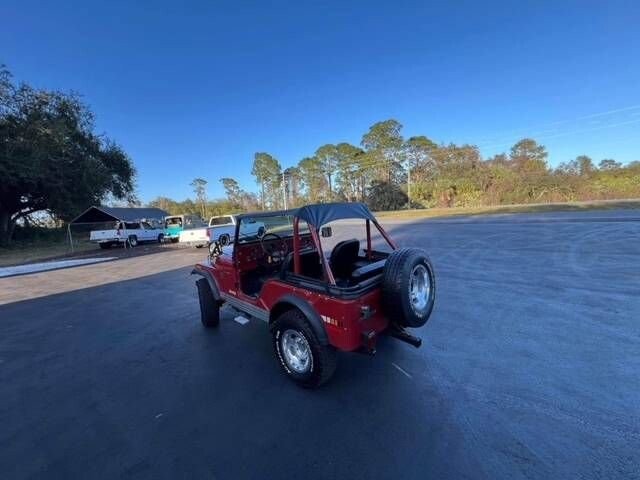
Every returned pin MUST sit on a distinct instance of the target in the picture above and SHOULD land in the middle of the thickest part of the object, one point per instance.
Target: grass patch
(501, 209)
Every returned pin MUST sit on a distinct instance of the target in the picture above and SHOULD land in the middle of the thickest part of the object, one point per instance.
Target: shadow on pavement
(121, 380)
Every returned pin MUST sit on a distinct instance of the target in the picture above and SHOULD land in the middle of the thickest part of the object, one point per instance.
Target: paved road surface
(529, 369)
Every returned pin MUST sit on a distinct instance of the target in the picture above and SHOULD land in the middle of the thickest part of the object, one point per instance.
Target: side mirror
(325, 232)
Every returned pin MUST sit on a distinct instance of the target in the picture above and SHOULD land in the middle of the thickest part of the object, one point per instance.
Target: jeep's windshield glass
(251, 229)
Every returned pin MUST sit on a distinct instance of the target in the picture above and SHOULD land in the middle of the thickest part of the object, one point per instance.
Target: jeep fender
(203, 272)
(288, 301)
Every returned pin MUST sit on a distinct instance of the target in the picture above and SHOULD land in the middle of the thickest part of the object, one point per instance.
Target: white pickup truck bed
(219, 226)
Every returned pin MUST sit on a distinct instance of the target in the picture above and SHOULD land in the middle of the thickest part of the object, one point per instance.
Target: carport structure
(95, 215)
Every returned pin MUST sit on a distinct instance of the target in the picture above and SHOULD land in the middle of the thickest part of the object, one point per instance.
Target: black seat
(368, 271)
(310, 265)
(343, 258)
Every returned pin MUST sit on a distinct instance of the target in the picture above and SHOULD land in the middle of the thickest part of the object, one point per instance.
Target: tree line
(388, 172)
(53, 165)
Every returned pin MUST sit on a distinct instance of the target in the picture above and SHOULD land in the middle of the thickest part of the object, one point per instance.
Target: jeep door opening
(317, 302)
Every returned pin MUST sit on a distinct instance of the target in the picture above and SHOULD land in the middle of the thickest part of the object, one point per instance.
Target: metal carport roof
(127, 214)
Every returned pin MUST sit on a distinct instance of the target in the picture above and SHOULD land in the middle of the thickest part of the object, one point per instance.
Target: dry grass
(31, 252)
(524, 208)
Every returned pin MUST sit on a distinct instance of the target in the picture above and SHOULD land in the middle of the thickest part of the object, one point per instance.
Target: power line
(548, 129)
(575, 132)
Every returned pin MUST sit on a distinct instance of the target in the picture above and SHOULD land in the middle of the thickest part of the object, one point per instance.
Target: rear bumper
(357, 333)
(369, 337)
(194, 243)
(108, 240)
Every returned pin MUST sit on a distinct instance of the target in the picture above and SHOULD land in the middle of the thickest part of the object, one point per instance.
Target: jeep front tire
(300, 354)
(209, 306)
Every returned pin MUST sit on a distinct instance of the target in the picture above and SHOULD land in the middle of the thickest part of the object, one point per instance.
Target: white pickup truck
(131, 233)
(220, 226)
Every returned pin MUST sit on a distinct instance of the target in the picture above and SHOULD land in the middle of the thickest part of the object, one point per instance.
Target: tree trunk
(6, 228)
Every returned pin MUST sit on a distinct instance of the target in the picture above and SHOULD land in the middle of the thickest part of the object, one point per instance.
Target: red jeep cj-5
(314, 303)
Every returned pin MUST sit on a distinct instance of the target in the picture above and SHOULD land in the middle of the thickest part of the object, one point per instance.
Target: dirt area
(134, 263)
(41, 253)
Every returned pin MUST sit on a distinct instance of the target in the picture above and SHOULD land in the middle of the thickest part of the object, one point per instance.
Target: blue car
(175, 224)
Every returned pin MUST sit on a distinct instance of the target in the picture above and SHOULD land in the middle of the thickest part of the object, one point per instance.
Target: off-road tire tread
(209, 307)
(325, 356)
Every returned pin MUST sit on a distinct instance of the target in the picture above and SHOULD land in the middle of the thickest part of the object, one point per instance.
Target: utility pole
(409, 184)
(284, 191)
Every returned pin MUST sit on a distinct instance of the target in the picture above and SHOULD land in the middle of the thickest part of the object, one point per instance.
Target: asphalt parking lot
(529, 369)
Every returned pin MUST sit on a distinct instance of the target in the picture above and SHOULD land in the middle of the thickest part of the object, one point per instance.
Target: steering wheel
(276, 251)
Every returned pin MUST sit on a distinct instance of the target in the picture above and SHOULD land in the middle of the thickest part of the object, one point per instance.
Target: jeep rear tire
(408, 287)
(300, 354)
(209, 307)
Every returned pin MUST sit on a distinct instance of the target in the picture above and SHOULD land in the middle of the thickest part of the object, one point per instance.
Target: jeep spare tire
(408, 287)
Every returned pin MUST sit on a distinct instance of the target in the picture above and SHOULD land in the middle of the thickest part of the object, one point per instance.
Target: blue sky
(195, 88)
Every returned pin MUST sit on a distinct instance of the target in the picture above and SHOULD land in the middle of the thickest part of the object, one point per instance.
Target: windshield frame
(309, 229)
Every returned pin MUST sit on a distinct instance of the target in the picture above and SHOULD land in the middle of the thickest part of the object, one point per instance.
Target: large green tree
(528, 156)
(609, 164)
(313, 179)
(384, 146)
(293, 185)
(268, 173)
(51, 159)
(419, 153)
(349, 170)
(585, 164)
(200, 189)
(327, 157)
(232, 190)
(420, 165)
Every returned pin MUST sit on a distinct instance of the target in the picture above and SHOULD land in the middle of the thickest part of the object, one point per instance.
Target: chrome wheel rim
(296, 351)
(419, 289)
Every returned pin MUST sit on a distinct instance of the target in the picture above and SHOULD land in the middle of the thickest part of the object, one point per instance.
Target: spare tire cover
(408, 287)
